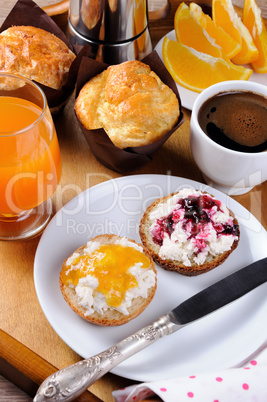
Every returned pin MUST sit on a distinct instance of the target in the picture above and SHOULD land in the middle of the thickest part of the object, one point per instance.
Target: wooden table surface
(28, 344)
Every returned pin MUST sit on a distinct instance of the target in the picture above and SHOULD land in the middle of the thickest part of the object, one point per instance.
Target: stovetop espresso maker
(117, 30)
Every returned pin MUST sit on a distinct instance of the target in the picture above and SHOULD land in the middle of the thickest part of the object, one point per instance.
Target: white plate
(220, 340)
(188, 97)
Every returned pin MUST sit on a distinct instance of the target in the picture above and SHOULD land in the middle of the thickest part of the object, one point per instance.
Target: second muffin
(130, 102)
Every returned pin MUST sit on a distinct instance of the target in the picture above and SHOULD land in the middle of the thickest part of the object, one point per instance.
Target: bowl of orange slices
(203, 50)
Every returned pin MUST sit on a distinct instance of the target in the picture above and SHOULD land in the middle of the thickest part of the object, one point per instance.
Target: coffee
(236, 120)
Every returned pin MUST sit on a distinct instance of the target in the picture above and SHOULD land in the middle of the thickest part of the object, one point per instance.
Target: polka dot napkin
(242, 384)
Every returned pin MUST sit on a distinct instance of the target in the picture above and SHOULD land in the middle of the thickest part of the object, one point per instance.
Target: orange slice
(195, 70)
(225, 16)
(190, 33)
(249, 52)
(222, 38)
(252, 19)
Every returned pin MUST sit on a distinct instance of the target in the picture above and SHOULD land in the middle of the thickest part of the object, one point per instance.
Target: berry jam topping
(194, 212)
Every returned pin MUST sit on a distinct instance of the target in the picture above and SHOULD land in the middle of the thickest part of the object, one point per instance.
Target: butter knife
(68, 383)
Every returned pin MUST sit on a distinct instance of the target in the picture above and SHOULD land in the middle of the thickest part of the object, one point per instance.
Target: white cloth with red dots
(246, 383)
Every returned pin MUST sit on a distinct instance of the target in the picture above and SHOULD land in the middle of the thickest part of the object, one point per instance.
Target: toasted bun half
(110, 316)
(190, 267)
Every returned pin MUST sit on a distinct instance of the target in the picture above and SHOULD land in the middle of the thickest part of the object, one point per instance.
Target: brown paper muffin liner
(26, 12)
(129, 159)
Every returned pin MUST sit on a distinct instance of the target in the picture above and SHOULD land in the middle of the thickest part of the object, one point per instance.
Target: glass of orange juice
(30, 165)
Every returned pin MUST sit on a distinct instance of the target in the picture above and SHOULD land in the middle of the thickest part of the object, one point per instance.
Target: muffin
(130, 102)
(190, 232)
(35, 54)
(109, 281)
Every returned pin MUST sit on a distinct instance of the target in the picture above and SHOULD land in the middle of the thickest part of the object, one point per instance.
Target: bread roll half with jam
(109, 281)
(190, 232)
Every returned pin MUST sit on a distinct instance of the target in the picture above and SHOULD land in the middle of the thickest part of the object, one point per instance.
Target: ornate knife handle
(68, 383)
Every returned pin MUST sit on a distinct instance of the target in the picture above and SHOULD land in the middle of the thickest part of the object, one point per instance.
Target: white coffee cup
(232, 172)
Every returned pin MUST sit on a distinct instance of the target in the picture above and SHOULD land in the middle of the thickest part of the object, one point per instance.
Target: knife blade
(221, 293)
(68, 383)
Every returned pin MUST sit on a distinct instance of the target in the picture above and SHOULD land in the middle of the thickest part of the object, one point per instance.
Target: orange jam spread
(109, 264)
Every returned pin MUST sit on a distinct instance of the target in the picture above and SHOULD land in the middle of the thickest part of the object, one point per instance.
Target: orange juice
(30, 165)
